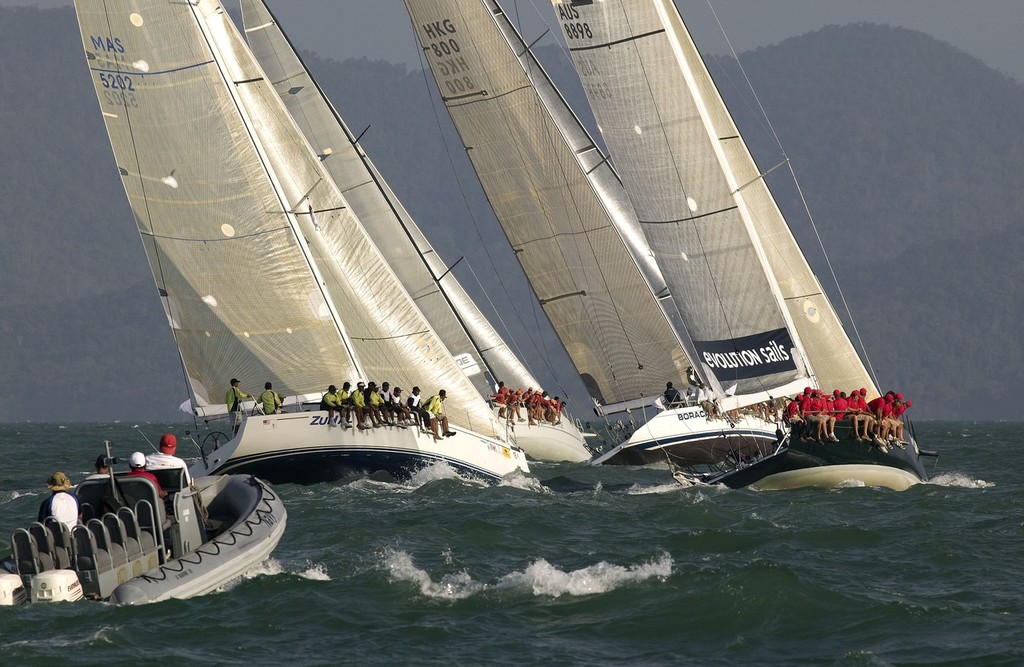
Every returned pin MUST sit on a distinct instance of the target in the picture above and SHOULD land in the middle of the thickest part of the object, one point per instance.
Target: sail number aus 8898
(577, 30)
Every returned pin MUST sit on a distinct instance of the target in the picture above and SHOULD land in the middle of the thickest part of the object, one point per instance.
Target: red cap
(168, 443)
(863, 391)
(899, 396)
(807, 390)
(909, 403)
(835, 392)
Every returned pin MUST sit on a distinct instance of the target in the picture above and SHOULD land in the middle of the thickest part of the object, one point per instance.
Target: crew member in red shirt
(137, 463)
(840, 406)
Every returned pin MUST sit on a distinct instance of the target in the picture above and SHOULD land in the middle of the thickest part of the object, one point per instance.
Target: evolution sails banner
(753, 356)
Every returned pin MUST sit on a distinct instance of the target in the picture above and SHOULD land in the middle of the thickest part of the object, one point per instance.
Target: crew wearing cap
(435, 408)
(233, 399)
(331, 402)
(373, 402)
(165, 459)
(102, 468)
(62, 505)
(270, 399)
(137, 463)
(358, 400)
(415, 405)
(402, 412)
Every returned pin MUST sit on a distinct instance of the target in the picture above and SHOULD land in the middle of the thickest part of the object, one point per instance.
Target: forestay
(452, 314)
(560, 204)
(267, 274)
(651, 96)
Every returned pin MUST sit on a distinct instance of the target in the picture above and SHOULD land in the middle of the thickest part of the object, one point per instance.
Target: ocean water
(574, 564)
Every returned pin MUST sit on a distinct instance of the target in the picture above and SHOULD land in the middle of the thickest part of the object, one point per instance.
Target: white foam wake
(638, 490)
(272, 567)
(458, 586)
(520, 480)
(540, 578)
(960, 480)
(438, 471)
(543, 578)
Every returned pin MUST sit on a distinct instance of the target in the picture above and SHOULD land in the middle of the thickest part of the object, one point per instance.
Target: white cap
(137, 460)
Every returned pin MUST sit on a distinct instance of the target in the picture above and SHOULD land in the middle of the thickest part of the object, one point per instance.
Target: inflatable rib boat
(132, 547)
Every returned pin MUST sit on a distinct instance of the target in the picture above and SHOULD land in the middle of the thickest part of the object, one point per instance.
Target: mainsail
(559, 202)
(652, 99)
(691, 175)
(265, 272)
(452, 314)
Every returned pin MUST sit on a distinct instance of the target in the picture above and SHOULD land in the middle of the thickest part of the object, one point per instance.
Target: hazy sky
(379, 29)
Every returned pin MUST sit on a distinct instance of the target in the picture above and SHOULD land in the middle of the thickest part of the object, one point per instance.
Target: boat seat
(87, 512)
(134, 534)
(44, 545)
(26, 553)
(118, 556)
(64, 547)
(150, 535)
(119, 536)
(88, 556)
(171, 480)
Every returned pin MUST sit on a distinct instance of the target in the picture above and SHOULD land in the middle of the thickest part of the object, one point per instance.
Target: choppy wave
(543, 578)
(440, 471)
(14, 495)
(520, 480)
(540, 578)
(643, 490)
(458, 586)
(273, 567)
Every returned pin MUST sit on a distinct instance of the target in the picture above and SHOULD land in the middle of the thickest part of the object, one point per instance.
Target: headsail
(652, 98)
(246, 233)
(559, 202)
(452, 314)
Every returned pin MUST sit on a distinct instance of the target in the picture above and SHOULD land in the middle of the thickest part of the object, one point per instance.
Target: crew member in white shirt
(165, 458)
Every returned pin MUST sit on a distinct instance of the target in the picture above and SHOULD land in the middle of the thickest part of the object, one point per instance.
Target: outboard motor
(12, 590)
(56, 586)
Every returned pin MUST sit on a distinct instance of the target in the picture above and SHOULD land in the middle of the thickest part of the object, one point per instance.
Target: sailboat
(723, 283)
(264, 272)
(481, 352)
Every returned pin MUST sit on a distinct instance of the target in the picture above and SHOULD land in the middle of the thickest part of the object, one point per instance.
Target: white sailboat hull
(832, 476)
(548, 442)
(302, 448)
(688, 436)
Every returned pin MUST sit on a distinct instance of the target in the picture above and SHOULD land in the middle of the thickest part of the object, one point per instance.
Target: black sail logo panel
(751, 356)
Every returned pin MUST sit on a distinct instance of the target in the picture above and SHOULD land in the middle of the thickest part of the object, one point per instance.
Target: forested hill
(908, 151)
